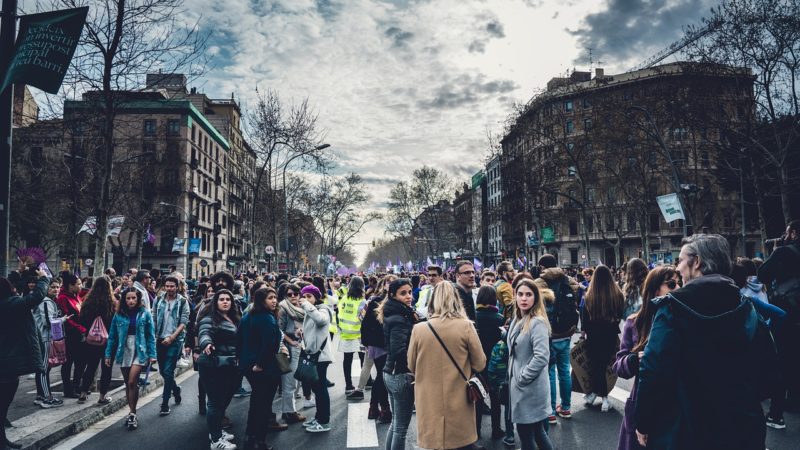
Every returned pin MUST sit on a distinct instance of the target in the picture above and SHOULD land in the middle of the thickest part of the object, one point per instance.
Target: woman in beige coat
(445, 417)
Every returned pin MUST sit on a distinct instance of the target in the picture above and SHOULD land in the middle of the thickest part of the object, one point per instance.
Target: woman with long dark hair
(132, 344)
(258, 341)
(99, 303)
(635, 333)
(635, 273)
(600, 321)
(373, 338)
(217, 332)
(69, 303)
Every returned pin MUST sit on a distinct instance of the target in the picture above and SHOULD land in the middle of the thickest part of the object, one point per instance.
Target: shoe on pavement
(606, 405)
(349, 390)
(277, 426)
(104, 400)
(294, 417)
(39, 400)
(778, 424)
(563, 413)
(330, 383)
(178, 398)
(509, 442)
(309, 423)
(551, 419)
(222, 444)
(385, 417)
(164, 410)
(51, 402)
(227, 436)
(589, 399)
(319, 428)
(132, 423)
(309, 403)
(357, 394)
(498, 433)
(242, 392)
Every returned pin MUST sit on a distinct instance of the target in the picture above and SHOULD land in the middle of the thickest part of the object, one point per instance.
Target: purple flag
(430, 263)
(389, 265)
(477, 264)
(342, 271)
(149, 237)
(520, 263)
(491, 268)
(409, 266)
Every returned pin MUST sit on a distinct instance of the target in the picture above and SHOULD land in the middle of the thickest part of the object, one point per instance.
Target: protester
(20, 352)
(465, 281)
(600, 322)
(317, 319)
(704, 359)
(258, 341)
(445, 417)
(488, 322)
(132, 344)
(635, 273)
(505, 293)
(636, 331)
(561, 295)
(170, 316)
(398, 318)
(349, 325)
(43, 314)
(529, 350)
(74, 333)
(203, 297)
(217, 333)
(434, 273)
(141, 282)
(99, 304)
(290, 322)
(372, 336)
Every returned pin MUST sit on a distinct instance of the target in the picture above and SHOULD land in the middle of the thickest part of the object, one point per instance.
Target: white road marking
(361, 431)
(116, 418)
(619, 394)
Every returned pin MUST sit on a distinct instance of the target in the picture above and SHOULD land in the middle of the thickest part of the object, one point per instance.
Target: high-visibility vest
(349, 324)
(422, 301)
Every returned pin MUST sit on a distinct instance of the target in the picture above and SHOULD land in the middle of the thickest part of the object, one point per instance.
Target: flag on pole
(429, 262)
(89, 226)
(520, 263)
(476, 263)
(389, 265)
(409, 266)
(149, 237)
(670, 206)
(491, 268)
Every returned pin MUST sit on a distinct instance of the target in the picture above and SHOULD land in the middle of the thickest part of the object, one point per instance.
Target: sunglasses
(672, 284)
(433, 275)
(292, 294)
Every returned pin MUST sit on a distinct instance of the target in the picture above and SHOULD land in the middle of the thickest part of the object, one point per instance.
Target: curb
(81, 420)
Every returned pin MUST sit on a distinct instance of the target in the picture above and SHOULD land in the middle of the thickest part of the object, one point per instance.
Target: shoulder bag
(475, 390)
(306, 371)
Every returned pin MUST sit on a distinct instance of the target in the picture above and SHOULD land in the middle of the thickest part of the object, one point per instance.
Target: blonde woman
(445, 417)
(529, 353)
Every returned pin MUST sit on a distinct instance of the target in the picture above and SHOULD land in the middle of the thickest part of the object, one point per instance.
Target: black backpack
(563, 312)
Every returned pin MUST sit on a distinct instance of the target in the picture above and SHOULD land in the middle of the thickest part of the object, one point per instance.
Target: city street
(185, 428)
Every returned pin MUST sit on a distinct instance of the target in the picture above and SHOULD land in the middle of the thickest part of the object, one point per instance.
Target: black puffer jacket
(398, 320)
(371, 329)
(20, 352)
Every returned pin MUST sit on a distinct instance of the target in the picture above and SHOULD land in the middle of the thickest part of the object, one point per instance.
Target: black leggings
(380, 396)
(74, 358)
(534, 432)
(7, 391)
(347, 365)
(92, 358)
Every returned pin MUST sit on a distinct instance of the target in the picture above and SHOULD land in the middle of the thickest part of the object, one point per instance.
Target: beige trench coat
(445, 418)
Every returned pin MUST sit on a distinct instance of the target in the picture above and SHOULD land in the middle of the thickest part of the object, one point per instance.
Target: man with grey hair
(703, 371)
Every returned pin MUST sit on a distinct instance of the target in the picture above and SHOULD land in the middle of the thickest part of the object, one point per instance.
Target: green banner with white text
(44, 48)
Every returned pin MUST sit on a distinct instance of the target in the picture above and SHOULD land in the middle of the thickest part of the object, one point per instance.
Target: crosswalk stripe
(361, 431)
(619, 394)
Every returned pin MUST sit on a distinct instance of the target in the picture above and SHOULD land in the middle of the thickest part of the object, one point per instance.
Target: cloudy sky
(399, 84)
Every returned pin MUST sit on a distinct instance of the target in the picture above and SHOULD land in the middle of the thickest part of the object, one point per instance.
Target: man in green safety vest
(434, 278)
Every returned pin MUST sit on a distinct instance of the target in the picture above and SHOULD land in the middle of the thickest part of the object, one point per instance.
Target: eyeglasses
(672, 284)
(467, 272)
(433, 275)
(292, 294)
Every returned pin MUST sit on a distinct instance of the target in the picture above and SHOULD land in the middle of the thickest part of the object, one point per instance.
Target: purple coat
(626, 366)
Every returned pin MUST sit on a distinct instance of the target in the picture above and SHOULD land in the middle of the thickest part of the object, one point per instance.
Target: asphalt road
(186, 429)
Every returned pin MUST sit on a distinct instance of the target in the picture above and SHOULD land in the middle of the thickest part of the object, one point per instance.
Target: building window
(655, 222)
(587, 125)
(149, 127)
(573, 227)
(587, 103)
(173, 127)
(705, 159)
(590, 224)
(570, 127)
(611, 224)
(631, 222)
(573, 256)
(568, 106)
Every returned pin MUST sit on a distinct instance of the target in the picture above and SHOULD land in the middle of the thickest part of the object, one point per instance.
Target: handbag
(284, 365)
(56, 326)
(57, 354)
(98, 335)
(476, 392)
(306, 371)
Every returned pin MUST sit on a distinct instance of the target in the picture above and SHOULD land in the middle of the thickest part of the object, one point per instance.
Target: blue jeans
(220, 384)
(534, 435)
(401, 397)
(560, 351)
(167, 356)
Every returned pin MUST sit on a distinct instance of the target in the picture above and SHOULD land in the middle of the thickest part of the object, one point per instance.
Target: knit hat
(311, 289)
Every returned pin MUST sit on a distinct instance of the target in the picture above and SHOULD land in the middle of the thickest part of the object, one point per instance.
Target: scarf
(296, 313)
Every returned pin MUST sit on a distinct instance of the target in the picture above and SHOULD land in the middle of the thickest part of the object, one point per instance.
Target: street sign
(203, 263)
(270, 250)
(89, 262)
(548, 235)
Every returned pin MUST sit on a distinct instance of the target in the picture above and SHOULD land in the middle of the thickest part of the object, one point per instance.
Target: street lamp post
(285, 203)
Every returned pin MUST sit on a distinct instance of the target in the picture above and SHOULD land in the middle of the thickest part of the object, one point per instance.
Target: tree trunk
(785, 201)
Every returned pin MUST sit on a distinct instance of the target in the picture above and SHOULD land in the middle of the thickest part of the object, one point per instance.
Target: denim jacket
(145, 337)
(180, 314)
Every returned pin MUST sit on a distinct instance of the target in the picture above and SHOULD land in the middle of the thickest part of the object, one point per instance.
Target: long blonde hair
(537, 310)
(445, 302)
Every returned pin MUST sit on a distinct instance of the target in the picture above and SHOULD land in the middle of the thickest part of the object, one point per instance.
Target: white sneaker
(222, 444)
(227, 436)
(606, 406)
(309, 403)
(589, 398)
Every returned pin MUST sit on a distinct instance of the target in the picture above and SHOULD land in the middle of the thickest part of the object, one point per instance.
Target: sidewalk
(37, 428)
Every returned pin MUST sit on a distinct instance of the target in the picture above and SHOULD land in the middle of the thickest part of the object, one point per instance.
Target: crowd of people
(707, 340)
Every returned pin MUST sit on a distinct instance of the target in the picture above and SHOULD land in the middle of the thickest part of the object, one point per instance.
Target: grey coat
(529, 382)
(315, 330)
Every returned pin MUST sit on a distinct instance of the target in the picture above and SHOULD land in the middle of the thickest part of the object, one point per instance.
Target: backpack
(98, 335)
(563, 312)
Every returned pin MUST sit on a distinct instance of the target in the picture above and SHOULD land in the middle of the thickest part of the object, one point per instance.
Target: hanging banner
(114, 226)
(670, 206)
(44, 48)
(177, 244)
(548, 235)
(194, 245)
